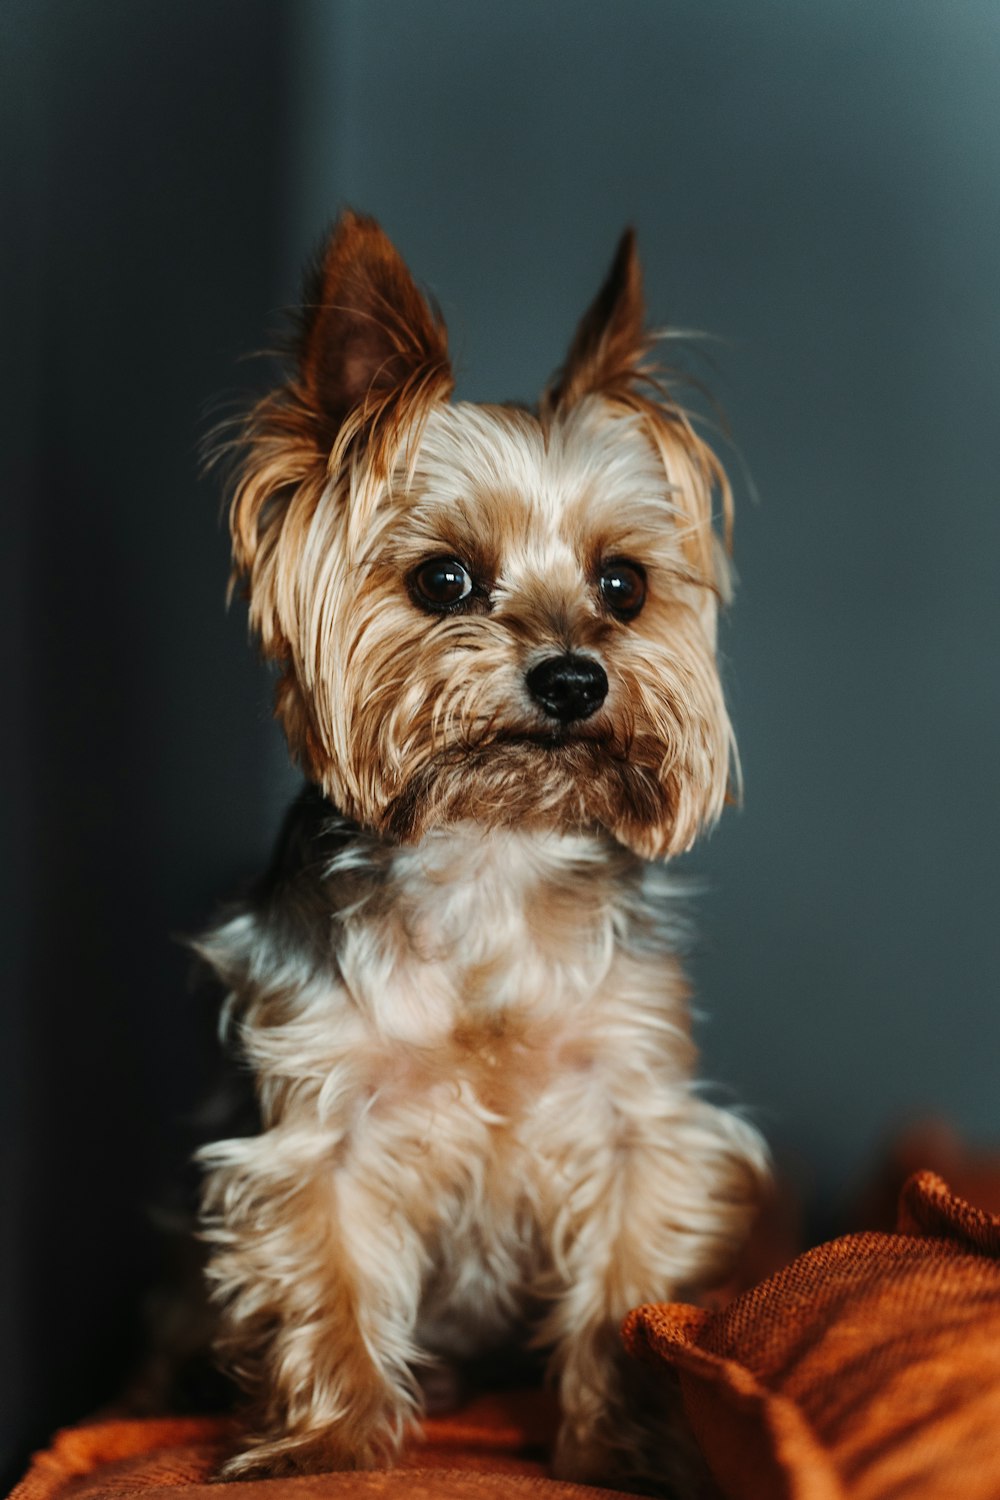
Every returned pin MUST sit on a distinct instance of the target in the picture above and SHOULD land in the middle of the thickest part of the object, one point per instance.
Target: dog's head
(480, 612)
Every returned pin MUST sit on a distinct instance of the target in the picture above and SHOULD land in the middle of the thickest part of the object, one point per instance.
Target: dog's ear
(610, 340)
(368, 341)
(370, 360)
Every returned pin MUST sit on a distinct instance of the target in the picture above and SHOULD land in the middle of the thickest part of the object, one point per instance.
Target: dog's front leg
(318, 1276)
(659, 1207)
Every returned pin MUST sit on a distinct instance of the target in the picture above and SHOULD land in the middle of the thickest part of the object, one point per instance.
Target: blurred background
(817, 185)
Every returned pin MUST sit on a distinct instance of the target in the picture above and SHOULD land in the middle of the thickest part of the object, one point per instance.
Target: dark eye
(623, 587)
(441, 583)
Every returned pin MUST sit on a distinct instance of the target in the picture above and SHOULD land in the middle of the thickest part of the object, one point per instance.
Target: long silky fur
(459, 995)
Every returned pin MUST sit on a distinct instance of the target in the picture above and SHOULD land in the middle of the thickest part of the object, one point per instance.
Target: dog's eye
(441, 583)
(623, 587)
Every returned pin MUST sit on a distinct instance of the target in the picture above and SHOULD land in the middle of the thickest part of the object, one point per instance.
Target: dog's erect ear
(371, 358)
(610, 341)
(368, 337)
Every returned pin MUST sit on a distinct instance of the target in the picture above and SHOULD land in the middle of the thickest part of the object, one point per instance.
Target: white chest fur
(476, 927)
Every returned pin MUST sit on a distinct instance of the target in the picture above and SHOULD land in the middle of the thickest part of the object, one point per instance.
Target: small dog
(458, 991)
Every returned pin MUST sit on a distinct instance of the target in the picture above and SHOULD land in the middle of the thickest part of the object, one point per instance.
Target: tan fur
(468, 1029)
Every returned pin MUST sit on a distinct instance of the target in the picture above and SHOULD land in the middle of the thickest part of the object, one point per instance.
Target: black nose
(568, 687)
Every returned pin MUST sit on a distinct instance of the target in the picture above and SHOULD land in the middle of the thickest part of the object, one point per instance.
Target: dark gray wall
(141, 151)
(817, 185)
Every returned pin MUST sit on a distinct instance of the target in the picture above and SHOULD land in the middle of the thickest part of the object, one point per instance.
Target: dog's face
(482, 613)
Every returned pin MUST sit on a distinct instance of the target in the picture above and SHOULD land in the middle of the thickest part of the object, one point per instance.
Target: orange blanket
(866, 1369)
(494, 1448)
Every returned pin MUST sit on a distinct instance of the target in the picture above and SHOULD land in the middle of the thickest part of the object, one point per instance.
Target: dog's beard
(545, 780)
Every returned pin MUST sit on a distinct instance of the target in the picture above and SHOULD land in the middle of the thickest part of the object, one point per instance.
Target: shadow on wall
(145, 189)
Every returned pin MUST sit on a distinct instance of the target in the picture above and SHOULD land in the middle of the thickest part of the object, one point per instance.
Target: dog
(458, 991)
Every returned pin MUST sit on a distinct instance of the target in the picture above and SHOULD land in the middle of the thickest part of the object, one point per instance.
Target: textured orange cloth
(868, 1369)
(494, 1448)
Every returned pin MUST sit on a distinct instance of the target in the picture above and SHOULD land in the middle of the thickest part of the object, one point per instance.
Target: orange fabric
(867, 1369)
(495, 1447)
(931, 1144)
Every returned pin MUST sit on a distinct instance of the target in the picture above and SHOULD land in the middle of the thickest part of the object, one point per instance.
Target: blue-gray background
(815, 184)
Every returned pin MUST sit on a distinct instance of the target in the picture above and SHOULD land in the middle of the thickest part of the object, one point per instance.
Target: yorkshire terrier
(458, 991)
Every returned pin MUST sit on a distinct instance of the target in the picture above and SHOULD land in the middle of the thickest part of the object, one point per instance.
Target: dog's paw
(317, 1452)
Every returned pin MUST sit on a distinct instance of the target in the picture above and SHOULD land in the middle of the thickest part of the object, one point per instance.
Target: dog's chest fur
(461, 1012)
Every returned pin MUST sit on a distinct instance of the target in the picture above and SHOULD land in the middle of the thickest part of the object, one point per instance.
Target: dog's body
(458, 993)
